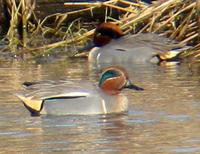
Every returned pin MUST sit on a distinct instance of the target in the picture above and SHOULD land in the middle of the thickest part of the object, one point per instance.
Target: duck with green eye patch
(84, 98)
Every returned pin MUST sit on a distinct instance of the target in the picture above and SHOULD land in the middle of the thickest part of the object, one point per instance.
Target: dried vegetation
(176, 19)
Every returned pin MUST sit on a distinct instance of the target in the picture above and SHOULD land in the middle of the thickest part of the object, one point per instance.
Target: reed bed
(176, 19)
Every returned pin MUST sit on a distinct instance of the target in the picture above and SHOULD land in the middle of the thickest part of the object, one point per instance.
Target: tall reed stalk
(24, 15)
(20, 14)
(12, 34)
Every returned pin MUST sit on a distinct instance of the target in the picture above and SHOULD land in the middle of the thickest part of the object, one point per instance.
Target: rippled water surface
(165, 118)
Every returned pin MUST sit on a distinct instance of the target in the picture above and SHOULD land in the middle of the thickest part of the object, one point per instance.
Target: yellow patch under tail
(33, 104)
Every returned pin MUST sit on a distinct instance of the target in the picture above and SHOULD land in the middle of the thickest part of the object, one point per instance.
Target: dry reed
(176, 19)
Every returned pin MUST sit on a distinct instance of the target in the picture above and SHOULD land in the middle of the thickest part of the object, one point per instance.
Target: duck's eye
(107, 75)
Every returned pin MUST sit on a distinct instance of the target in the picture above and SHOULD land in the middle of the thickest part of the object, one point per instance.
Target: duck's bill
(130, 85)
(87, 48)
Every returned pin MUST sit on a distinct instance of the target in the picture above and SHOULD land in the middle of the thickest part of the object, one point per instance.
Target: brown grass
(173, 18)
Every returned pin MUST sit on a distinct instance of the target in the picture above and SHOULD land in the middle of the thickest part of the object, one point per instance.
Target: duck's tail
(168, 56)
(171, 55)
(34, 106)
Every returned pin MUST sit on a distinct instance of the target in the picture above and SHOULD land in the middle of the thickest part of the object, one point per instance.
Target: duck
(68, 97)
(110, 44)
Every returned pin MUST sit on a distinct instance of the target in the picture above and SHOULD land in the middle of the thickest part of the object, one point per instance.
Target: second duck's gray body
(132, 48)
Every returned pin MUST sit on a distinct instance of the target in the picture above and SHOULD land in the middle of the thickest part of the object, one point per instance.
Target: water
(164, 119)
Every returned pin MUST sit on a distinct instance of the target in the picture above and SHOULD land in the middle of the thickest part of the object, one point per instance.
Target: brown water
(164, 119)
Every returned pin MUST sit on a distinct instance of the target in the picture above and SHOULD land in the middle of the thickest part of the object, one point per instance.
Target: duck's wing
(148, 40)
(34, 102)
(57, 89)
(156, 41)
(45, 83)
(143, 47)
(35, 94)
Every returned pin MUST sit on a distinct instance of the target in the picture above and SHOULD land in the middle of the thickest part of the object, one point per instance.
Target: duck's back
(137, 48)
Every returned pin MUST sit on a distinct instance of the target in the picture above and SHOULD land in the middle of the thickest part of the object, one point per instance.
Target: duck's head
(113, 79)
(105, 32)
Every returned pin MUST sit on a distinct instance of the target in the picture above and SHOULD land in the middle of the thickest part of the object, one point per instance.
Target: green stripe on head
(107, 75)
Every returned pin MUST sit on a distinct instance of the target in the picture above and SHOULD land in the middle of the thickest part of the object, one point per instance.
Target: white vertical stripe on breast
(104, 106)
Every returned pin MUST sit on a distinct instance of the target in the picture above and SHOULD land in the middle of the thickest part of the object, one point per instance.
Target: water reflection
(162, 119)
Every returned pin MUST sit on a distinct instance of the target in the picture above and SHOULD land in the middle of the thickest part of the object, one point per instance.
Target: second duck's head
(115, 78)
(105, 32)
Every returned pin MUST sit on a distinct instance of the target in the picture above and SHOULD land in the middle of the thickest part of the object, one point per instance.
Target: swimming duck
(111, 45)
(68, 97)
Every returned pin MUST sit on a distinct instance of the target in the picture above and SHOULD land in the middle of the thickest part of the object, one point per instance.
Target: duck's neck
(93, 54)
(111, 92)
(101, 40)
